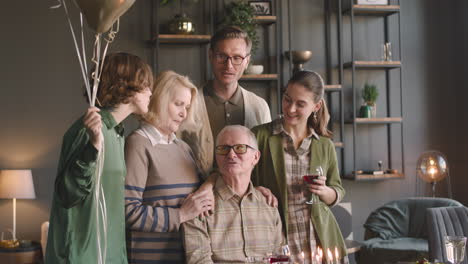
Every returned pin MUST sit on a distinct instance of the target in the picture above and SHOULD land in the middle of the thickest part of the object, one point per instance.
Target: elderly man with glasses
(243, 226)
(223, 101)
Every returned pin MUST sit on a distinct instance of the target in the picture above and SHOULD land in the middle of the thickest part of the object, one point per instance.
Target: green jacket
(73, 232)
(270, 173)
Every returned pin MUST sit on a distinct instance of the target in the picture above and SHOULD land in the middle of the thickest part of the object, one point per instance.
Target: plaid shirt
(301, 236)
(240, 227)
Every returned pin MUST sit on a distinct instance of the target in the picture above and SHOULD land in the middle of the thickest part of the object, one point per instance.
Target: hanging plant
(240, 13)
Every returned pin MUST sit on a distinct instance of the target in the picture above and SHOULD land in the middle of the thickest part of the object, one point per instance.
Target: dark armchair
(397, 230)
(445, 221)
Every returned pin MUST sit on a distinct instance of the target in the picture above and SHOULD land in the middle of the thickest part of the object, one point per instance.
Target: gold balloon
(432, 166)
(101, 14)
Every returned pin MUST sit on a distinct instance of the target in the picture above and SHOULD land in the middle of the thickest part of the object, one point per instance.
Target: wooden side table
(22, 255)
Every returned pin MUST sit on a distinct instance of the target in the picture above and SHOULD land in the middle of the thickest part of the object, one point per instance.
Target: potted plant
(369, 95)
(240, 13)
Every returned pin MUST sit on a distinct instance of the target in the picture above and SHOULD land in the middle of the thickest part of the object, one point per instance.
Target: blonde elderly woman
(162, 176)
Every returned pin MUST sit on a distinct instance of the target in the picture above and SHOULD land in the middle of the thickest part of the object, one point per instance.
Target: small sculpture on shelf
(369, 95)
(299, 57)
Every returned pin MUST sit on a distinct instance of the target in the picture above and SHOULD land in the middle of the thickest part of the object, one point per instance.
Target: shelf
(265, 20)
(338, 144)
(259, 77)
(373, 64)
(183, 39)
(375, 10)
(372, 177)
(333, 88)
(378, 120)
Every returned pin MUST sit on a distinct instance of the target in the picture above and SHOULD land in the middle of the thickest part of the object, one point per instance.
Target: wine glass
(455, 248)
(280, 255)
(309, 179)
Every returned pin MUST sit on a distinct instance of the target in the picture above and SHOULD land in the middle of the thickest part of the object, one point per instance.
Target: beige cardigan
(199, 135)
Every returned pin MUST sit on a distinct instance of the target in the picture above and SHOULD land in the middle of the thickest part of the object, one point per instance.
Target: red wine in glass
(278, 259)
(310, 178)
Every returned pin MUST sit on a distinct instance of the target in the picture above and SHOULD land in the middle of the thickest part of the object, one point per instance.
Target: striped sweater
(159, 177)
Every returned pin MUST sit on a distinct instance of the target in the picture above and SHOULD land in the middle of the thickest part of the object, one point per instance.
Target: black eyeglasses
(235, 60)
(238, 149)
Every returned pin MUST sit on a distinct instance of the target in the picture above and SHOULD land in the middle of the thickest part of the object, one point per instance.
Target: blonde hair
(313, 82)
(165, 85)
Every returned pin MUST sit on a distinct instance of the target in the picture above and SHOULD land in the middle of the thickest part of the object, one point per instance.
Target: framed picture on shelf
(262, 8)
(372, 2)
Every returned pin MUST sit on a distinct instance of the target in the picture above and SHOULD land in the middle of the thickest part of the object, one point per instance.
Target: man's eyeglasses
(235, 60)
(238, 149)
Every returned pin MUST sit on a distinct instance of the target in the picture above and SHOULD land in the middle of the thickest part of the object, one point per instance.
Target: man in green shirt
(87, 222)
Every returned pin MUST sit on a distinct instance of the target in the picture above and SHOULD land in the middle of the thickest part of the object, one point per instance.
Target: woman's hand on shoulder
(270, 197)
(196, 204)
(92, 122)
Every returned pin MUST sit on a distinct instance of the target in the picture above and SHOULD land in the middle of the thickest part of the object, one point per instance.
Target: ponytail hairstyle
(313, 82)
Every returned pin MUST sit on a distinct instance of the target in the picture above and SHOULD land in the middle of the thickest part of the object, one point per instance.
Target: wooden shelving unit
(373, 64)
(355, 65)
(265, 20)
(183, 39)
(375, 10)
(259, 77)
(333, 87)
(378, 120)
(372, 177)
(338, 144)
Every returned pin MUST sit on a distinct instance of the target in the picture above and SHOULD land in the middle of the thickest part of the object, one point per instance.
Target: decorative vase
(181, 24)
(254, 69)
(365, 111)
(373, 110)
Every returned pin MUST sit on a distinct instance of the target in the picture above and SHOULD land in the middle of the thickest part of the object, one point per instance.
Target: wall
(41, 92)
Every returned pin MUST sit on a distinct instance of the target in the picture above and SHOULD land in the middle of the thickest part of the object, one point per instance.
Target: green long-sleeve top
(74, 231)
(271, 173)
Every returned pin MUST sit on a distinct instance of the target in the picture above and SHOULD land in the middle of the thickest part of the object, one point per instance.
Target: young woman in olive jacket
(302, 135)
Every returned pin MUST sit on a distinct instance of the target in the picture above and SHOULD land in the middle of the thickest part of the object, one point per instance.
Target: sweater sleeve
(138, 215)
(78, 157)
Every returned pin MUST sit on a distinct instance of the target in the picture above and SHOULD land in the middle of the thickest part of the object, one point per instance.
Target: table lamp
(16, 184)
(432, 167)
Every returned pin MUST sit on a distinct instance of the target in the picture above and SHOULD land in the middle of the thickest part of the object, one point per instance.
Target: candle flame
(302, 254)
(337, 255)
(320, 252)
(330, 255)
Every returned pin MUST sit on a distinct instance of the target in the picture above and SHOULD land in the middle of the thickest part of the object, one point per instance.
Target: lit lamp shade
(16, 184)
(432, 166)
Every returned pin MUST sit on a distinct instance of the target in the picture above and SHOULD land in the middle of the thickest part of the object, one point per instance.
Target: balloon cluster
(101, 16)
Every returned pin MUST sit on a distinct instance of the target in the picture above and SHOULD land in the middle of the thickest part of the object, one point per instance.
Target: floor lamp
(16, 184)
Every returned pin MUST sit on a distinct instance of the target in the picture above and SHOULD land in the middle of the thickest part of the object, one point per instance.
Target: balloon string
(82, 43)
(80, 58)
(100, 207)
(96, 60)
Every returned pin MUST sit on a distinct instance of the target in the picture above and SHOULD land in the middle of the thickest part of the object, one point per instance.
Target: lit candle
(330, 256)
(303, 258)
(337, 256)
(320, 254)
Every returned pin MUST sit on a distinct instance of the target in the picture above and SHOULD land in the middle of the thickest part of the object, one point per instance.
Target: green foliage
(370, 93)
(164, 2)
(240, 13)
